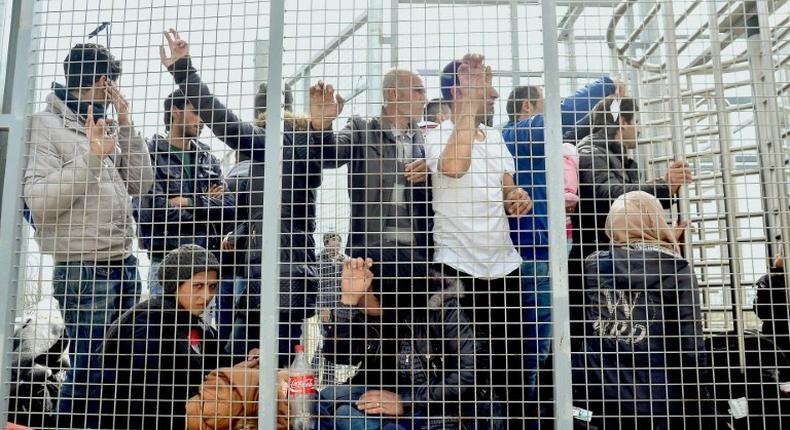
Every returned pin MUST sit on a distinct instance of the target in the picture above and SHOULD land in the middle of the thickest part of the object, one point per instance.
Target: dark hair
(87, 63)
(434, 107)
(260, 98)
(518, 96)
(178, 99)
(603, 121)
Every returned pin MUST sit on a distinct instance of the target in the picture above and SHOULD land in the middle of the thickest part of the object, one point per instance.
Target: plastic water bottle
(301, 392)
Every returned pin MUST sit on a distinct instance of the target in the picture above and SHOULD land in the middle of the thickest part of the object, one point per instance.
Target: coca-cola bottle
(301, 392)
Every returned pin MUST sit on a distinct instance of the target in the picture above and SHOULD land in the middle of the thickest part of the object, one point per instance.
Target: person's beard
(488, 120)
(192, 132)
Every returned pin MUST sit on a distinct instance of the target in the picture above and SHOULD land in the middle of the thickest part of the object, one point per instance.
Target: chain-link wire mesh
(420, 214)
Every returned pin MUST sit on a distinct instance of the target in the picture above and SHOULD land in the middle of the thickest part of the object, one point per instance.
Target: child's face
(196, 293)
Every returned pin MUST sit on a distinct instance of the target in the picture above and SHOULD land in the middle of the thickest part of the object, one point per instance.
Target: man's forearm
(457, 155)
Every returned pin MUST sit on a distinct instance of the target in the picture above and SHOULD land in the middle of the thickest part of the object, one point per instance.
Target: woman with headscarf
(645, 351)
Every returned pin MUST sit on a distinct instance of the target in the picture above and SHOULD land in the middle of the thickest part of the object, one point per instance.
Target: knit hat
(449, 79)
(184, 262)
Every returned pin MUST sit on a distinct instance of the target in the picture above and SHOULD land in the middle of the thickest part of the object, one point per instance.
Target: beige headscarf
(637, 217)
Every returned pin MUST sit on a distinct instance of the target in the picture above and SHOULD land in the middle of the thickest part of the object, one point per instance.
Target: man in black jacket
(301, 176)
(188, 203)
(431, 380)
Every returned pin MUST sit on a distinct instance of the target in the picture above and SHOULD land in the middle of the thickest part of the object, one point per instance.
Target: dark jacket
(436, 357)
(301, 165)
(526, 142)
(162, 226)
(605, 173)
(773, 308)
(155, 358)
(643, 325)
(371, 155)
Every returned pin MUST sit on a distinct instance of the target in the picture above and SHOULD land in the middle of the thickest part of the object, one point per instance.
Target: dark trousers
(495, 307)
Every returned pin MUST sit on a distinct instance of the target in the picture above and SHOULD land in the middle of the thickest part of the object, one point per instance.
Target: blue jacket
(525, 140)
(162, 226)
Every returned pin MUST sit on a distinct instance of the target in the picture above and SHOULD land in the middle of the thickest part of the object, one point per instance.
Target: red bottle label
(301, 384)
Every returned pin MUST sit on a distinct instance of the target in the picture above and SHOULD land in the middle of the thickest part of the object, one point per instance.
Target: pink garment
(570, 161)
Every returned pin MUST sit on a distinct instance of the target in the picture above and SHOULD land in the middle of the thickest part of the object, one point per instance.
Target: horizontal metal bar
(589, 3)
(347, 32)
(510, 74)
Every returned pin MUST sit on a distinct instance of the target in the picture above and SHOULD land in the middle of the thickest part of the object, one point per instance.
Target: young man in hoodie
(524, 135)
(188, 203)
(81, 170)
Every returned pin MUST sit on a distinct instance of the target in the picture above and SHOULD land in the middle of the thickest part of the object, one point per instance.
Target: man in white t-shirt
(473, 194)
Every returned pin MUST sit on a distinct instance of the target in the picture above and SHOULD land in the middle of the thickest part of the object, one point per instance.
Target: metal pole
(675, 104)
(768, 133)
(374, 69)
(730, 194)
(261, 63)
(14, 122)
(558, 263)
(514, 43)
(270, 285)
(394, 31)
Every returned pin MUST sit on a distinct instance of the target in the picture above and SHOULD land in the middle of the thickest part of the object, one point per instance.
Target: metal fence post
(13, 123)
(558, 263)
(270, 285)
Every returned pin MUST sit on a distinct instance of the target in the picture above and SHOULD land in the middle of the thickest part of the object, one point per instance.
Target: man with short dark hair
(474, 193)
(437, 111)
(302, 161)
(524, 135)
(188, 203)
(81, 170)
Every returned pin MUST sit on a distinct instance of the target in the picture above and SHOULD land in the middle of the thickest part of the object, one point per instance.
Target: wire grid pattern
(668, 330)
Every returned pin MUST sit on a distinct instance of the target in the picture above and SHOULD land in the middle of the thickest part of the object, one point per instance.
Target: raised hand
(620, 90)
(357, 279)
(179, 48)
(679, 174)
(102, 142)
(474, 81)
(325, 105)
(121, 105)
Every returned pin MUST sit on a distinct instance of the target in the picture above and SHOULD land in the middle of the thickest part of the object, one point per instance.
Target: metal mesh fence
(405, 214)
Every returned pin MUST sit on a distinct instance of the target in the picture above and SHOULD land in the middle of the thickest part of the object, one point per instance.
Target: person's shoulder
(440, 133)
(46, 119)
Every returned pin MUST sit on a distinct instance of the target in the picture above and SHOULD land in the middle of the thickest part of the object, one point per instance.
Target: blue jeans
(337, 410)
(154, 286)
(536, 297)
(91, 296)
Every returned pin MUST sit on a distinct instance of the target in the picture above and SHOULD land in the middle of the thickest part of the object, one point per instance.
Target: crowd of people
(443, 296)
